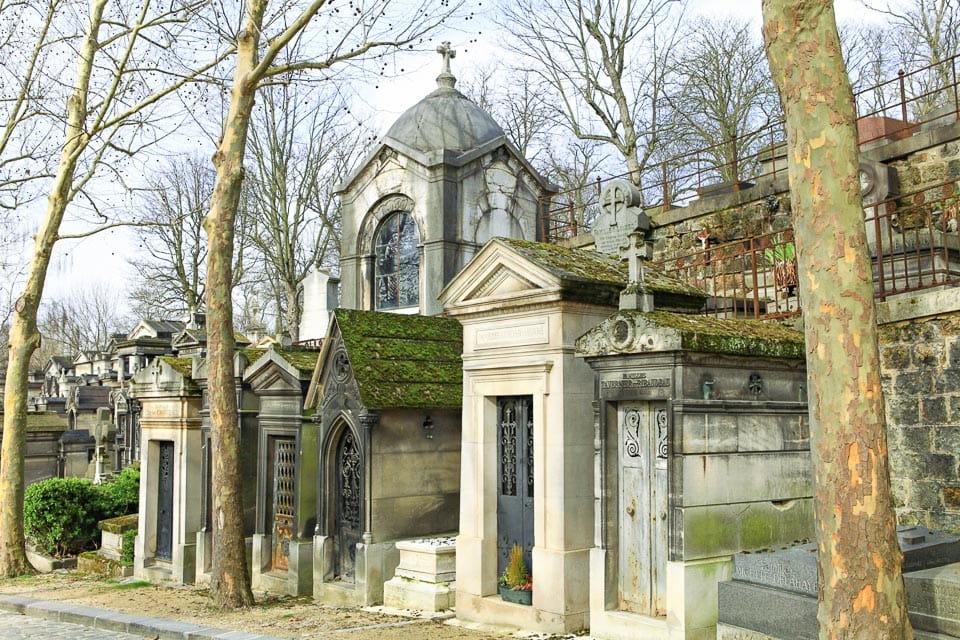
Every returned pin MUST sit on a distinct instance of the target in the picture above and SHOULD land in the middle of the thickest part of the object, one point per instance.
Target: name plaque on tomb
(649, 384)
(513, 335)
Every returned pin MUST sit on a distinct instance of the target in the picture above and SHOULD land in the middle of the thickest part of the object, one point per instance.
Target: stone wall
(920, 365)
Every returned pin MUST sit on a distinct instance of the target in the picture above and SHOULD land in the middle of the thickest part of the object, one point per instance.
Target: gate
(284, 485)
(642, 456)
(515, 473)
(349, 470)
(165, 502)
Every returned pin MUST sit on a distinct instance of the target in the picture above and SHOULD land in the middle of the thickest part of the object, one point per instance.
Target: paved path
(15, 626)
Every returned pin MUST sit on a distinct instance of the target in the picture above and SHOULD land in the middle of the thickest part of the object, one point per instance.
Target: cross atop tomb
(446, 78)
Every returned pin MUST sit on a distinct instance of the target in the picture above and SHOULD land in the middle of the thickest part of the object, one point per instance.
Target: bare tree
(925, 33)
(301, 147)
(861, 590)
(129, 57)
(336, 38)
(171, 256)
(723, 95)
(83, 320)
(520, 102)
(606, 63)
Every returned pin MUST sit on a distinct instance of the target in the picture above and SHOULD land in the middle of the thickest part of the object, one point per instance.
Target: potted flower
(516, 583)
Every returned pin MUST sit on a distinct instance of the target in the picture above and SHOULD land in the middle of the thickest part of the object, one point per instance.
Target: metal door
(643, 507)
(284, 478)
(515, 473)
(165, 502)
(348, 505)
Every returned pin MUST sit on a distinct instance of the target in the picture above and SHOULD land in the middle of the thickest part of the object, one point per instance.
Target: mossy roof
(571, 264)
(43, 421)
(403, 361)
(731, 335)
(183, 366)
(304, 361)
(591, 267)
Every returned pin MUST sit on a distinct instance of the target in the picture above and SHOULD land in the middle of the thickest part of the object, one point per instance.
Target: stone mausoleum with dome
(444, 180)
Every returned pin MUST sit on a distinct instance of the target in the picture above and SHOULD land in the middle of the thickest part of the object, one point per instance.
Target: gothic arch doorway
(347, 502)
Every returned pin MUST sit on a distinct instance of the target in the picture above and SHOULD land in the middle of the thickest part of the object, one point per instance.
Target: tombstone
(527, 426)
(785, 582)
(385, 400)
(320, 297)
(103, 433)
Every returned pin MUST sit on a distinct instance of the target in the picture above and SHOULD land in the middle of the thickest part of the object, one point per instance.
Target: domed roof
(445, 119)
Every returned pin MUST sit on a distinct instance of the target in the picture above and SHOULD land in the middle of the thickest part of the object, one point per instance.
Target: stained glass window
(397, 268)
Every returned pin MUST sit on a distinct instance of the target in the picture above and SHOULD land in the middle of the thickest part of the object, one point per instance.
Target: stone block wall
(920, 367)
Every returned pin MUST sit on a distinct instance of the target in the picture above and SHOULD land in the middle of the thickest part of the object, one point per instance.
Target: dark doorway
(165, 502)
(348, 501)
(515, 473)
(284, 491)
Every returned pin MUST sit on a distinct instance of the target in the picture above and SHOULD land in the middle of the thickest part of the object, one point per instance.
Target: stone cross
(447, 53)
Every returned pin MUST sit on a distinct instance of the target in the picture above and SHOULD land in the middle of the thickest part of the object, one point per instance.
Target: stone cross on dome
(446, 79)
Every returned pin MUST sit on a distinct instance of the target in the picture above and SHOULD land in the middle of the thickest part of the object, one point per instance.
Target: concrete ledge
(105, 619)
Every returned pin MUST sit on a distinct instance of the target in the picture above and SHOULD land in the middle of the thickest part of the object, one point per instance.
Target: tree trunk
(24, 336)
(229, 579)
(861, 592)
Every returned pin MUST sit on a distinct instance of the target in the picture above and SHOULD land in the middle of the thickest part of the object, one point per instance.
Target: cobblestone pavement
(14, 626)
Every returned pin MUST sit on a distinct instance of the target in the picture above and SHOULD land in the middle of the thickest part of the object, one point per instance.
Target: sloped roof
(403, 361)
(183, 366)
(91, 397)
(568, 264)
(304, 360)
(162, 328)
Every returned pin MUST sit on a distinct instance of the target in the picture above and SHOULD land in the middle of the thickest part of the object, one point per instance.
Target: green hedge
(60, 515)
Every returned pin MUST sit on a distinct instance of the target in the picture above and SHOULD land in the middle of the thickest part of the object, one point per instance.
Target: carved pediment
(501, 281)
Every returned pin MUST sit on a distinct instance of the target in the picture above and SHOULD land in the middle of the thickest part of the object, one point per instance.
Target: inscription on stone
(635, 380)
(519, 334)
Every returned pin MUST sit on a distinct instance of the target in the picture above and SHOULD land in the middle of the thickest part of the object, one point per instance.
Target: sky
(103, 259)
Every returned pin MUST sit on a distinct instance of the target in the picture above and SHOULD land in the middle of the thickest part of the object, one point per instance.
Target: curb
(107, 620)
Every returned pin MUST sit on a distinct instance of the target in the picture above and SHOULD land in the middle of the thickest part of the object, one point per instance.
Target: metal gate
(165, 502)
(515, 473)
(643, 450)
(284, 481)
(349, 504)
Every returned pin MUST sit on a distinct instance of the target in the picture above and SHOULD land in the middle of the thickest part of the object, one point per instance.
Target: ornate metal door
(165, 502)
(643, 453)
(349, 505)
(284, 479)
(515, 473)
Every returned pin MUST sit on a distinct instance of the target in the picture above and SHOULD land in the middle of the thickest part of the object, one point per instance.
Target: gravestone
(776, 593)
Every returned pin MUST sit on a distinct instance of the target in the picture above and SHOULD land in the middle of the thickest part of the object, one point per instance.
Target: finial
(446, 79)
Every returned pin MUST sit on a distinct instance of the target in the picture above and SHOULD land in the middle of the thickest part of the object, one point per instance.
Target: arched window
(396, 277)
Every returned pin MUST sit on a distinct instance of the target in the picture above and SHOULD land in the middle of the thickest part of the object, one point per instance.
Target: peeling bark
(861, 592)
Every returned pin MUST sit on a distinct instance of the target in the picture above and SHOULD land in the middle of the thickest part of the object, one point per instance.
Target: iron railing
(913, 239)
(891, 109)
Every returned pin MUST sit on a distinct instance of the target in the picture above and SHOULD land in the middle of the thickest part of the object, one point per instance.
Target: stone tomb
(701, 450)
(385, 397)
(527, 426)
(785, 581)
(425, 577)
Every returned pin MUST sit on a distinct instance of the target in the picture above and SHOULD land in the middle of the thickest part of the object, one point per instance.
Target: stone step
(933, 596)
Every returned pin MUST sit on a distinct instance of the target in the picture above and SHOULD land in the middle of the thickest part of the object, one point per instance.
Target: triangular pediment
(498, 273)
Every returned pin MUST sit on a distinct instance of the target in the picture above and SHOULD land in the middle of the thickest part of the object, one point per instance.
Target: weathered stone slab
(774, 612)
(795, 568)
(933, 596)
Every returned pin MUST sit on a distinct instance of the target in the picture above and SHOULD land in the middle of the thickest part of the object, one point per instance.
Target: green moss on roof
(402, 361)
(252, 355)
(656, 281)
(732, 335)
(571, 264)
(183, 366)
(304, 361)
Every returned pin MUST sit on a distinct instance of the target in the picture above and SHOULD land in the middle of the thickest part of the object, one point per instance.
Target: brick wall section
(920, 367)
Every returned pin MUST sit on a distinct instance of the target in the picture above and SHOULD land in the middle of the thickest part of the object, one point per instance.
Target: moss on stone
(183, 366)
(303, 360)
(402, 361)
(732, 335)
(119, 524)
(571, 264)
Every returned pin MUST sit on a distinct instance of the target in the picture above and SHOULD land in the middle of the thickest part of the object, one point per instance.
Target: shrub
(516, 572)
(129, 539)
(122, 494)
(60, 515)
